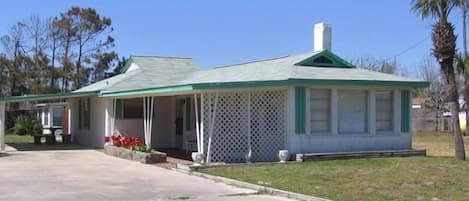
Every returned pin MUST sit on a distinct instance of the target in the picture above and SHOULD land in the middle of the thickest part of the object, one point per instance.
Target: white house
(305, 103)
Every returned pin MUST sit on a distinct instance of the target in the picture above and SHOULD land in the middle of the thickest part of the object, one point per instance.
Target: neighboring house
(305, 103)
(52, 115)
(427, 119)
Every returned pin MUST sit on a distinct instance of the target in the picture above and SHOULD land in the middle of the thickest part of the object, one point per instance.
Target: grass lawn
(412, 178)
(437, 144)
(12, 138)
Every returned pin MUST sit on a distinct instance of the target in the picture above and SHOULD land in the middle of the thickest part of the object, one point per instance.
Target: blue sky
(217, 33)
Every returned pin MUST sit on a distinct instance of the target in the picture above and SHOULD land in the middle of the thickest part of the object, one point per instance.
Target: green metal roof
(155, 74)
(174, 74)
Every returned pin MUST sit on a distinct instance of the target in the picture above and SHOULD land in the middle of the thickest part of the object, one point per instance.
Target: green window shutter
(87, 114)
(119, 109)
(300, 110)
(405, 111)
(80, 115)
(188, 113)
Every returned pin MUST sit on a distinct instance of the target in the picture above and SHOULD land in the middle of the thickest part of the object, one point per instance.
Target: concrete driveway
(91, 175)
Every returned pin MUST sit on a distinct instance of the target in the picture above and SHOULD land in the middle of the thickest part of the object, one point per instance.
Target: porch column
(2, 126)
(147, 119)
(108, 119)
(213, 113)
(197, 123)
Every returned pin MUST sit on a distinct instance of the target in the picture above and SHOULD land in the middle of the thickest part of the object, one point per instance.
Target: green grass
(412, 178)
(436, 143)
(12, 138)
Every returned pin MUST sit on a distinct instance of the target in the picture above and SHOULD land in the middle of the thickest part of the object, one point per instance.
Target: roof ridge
(159, 56)
(254, 61)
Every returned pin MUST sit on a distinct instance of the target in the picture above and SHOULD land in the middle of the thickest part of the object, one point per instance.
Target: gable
(325, 58)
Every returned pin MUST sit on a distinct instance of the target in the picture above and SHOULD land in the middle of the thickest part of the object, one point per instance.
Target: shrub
(132, 143)
(27, 125)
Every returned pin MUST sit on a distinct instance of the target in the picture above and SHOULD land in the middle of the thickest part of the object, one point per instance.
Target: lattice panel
(237, 112)
(268, 125)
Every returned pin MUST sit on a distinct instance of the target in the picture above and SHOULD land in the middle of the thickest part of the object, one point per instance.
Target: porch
(166, 123)
(225, 126)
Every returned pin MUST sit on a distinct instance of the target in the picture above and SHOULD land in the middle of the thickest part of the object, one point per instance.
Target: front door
(179, 122)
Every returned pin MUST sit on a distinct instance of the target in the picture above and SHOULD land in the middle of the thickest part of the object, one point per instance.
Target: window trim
(329, 130)
(391, 129)
(367, 131)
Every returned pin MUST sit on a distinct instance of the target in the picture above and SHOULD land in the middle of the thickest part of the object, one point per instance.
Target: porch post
(147, 119)
(249, 129)
(202, 123)
(107, 121)
(113, 116)
(197, 131)
(213, 113)
(2, 126)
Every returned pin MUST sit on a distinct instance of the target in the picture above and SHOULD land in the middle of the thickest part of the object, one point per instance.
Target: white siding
(94, 136)
(338, 142)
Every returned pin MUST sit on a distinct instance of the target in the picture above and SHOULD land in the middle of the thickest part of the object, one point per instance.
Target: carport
(27, 98)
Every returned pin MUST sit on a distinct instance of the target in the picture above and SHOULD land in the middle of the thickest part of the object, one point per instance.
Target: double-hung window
(353, 110)
(384, 110)
(320, 110)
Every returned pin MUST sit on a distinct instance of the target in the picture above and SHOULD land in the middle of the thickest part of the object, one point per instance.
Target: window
(384, 110)
(320, 110)
(323, 60)
(133, 108)
(353, 111)
(45, 116)
(84, 112)
(57, 113)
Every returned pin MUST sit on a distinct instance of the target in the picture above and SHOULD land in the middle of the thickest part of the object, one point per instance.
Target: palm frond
(436, 9)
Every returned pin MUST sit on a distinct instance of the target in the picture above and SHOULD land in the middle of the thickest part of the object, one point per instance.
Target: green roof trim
(378, 83)
(273, 83)
(46, 96)
(170, 89)
(336, 61)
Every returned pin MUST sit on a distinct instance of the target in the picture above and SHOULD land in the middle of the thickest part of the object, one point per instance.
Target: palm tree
(444, 48)
(463, 61)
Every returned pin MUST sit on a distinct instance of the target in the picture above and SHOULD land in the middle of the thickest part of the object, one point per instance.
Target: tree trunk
(453, 102)
(466, 80)
(78, 73)
(53, 73)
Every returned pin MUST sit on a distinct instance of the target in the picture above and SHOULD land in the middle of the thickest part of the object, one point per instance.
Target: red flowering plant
(128, 142)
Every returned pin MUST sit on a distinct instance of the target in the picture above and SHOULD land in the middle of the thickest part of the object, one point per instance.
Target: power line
(414, 45)
(409, 48)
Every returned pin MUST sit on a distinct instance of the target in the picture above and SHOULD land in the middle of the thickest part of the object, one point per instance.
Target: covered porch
(166, 123)
(229, 125)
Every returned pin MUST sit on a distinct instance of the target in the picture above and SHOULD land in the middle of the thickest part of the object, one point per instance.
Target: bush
(132, 143)
(27, 125)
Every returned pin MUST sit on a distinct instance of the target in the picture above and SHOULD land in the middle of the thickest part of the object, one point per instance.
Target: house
(305, 103)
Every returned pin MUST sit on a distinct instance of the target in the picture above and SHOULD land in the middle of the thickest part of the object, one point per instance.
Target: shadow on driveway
(44, 147)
